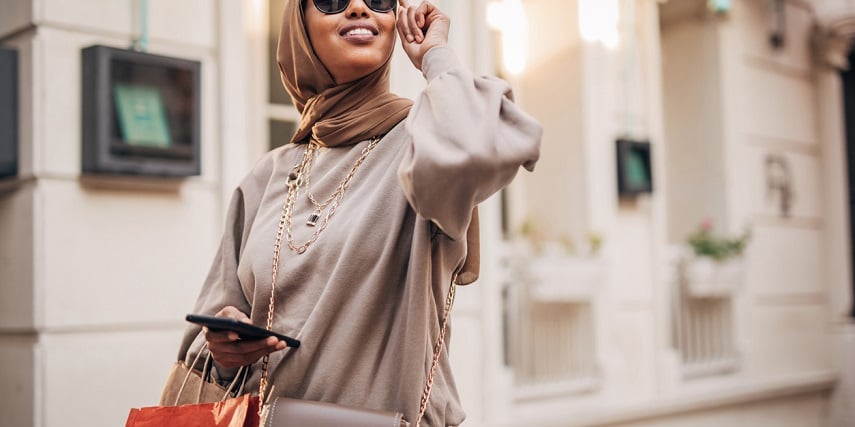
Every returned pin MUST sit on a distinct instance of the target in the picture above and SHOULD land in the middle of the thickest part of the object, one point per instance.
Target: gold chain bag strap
(286, 412)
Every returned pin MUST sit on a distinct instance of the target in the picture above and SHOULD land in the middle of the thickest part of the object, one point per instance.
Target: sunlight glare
(509, 18)
(599, 20)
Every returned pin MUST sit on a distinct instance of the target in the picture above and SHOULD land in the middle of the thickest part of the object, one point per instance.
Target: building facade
(590, 311)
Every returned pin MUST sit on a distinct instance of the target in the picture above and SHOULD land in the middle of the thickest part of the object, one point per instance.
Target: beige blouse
(366, 298)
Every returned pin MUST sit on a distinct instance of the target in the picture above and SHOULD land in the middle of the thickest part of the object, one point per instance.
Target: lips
(359, 32)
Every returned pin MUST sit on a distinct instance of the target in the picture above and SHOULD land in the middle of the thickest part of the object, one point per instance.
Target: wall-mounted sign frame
(634, 169)
(141, 113)
(8, 113)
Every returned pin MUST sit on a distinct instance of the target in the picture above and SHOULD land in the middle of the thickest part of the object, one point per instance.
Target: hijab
(333, 114)
(344, 114)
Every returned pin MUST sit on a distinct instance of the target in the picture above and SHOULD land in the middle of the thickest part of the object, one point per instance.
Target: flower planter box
(563, 278)
(705, 277)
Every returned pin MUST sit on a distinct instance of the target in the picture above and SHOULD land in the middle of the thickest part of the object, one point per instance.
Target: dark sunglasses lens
(381, 5)
(331, 6)
(338, 6)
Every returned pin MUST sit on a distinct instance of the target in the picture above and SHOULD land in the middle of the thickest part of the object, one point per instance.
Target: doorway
(848, 78)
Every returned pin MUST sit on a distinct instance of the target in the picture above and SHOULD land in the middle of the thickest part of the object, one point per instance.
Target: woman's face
(353, 43)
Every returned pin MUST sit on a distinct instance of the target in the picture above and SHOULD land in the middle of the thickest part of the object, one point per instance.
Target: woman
(375, 197)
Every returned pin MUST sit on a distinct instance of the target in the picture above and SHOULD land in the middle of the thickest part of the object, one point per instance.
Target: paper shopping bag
(237, 412)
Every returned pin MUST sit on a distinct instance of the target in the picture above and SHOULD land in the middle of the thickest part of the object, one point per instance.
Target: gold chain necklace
(319, 207)
(299, 176)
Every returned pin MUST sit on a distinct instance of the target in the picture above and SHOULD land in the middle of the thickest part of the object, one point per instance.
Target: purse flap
(285, 412)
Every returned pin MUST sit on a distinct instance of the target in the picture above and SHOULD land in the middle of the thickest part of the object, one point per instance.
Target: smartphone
(245, 331)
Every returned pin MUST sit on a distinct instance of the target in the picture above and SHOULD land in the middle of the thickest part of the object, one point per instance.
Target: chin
(357, 67)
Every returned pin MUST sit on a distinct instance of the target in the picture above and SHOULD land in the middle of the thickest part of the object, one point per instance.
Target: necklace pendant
(313, 220)
(294, 179)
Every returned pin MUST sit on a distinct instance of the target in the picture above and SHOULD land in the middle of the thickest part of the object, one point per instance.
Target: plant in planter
(537, 242)
(716, 266)
(706, 244)
(558, 268)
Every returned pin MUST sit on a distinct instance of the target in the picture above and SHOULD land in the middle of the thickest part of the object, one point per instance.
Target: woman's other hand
(230, 352)
(421, 28)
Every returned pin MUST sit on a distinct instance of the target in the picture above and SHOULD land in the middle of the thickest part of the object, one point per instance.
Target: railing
(703, 330)
(551, 327)
(555, 352)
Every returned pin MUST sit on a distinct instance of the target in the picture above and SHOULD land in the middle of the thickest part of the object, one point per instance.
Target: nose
(357, 9)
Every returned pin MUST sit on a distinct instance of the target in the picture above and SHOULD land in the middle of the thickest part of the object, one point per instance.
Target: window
(8, 113)
(282, 116)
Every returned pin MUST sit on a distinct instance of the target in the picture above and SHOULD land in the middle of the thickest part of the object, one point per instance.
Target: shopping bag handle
(240, 377)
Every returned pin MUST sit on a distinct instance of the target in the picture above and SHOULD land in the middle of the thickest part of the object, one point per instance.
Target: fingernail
(410, 38)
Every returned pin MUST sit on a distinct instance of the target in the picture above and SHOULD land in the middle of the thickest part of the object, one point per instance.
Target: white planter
(706, 278)
(563, 278)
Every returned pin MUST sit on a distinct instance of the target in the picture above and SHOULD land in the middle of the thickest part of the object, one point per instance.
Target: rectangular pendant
(313, 220)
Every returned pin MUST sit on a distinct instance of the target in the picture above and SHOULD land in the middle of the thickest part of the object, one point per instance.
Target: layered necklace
(320, 217)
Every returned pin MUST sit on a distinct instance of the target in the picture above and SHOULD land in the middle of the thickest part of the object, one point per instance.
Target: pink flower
(707, 224)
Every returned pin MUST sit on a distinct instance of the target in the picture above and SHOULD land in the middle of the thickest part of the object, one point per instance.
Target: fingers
(407, 24)
(404, 25)
(412, 17)
(421, 27)
(422, 12)
(232, 354)
(233, 313)
(229, 351)
(219, 336)
(226, 336)
(412, 21)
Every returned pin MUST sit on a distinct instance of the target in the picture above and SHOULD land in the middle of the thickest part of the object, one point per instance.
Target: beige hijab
(343, 114)
(334, 114)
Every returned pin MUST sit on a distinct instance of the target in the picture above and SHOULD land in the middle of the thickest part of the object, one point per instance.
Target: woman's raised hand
(421, 28)
(230, 352)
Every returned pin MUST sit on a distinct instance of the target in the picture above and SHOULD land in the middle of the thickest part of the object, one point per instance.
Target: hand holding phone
(244, 330)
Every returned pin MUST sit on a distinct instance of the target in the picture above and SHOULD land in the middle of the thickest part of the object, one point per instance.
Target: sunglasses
(331, 7)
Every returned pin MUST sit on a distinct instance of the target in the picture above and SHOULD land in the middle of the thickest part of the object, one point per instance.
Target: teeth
(359, 32)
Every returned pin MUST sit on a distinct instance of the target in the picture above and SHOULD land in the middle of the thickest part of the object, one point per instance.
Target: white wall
(97, 272)
(749, 101)
(772, 108)
(694, 122)
(838, 245)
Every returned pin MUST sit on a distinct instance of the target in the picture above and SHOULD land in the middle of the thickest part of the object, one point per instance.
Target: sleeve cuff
(223, 378)
(437, 61)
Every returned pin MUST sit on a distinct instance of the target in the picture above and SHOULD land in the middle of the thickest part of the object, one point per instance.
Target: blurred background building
(614, 289)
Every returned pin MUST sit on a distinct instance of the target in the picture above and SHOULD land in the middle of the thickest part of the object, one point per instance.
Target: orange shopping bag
(237, 412)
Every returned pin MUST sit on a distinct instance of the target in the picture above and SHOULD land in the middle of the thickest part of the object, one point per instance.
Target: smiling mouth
(359, 32)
